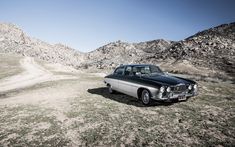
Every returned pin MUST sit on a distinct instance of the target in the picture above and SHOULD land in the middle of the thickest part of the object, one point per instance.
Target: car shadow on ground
(122, 98)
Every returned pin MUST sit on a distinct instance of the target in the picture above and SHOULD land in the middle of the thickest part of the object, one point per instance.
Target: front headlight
(162, 89)
(168, 89)
(195, 87)
(190, 87)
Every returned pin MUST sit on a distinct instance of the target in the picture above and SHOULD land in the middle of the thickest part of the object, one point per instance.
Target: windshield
(156, 69)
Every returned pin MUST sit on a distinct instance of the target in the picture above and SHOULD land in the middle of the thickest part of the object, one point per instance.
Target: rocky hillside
(115, 53)
(14, 40)
(212, 49)
(210, 52)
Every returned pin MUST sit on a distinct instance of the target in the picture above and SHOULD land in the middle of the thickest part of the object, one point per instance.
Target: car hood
(166, 79)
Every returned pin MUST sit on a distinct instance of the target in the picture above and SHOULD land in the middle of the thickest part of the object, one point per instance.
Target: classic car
(148, 82)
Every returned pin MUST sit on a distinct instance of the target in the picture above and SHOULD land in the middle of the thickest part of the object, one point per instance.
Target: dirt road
(33, 74)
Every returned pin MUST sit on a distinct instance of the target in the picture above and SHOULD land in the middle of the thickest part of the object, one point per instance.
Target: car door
(135, 81)
(127, 82)
(117, 76)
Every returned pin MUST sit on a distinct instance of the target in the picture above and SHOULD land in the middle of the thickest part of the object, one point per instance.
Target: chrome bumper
(171, 95)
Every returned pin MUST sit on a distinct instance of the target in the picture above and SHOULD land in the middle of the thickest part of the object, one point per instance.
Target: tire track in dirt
(33, 74)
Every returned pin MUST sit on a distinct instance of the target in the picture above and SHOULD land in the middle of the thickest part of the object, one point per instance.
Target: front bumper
(172, 96)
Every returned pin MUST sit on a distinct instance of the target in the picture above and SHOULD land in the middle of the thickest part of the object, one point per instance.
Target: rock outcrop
(14, 40)
(213, 48)
(116, 53)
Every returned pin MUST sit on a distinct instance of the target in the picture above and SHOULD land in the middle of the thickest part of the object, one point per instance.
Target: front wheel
(146, 97)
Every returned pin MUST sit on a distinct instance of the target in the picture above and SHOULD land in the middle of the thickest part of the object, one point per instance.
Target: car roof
(135, 65)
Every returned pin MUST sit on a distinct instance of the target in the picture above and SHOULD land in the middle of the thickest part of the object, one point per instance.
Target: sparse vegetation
(11, 67)
(86, 114)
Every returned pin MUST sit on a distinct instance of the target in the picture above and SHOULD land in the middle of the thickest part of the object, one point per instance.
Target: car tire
(146, 97)
(111, 91)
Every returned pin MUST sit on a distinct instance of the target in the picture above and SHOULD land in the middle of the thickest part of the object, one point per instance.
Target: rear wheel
(146, 97)
(111, 91)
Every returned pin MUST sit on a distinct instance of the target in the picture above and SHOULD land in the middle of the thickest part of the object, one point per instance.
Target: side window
(141, 69)
(147, 70)
(119, 71)
(135, 70)
(128, 71)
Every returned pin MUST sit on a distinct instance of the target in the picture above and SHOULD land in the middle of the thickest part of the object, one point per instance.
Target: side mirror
(138, 74)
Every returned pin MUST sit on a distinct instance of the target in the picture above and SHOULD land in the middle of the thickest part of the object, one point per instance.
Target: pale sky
(88, 24)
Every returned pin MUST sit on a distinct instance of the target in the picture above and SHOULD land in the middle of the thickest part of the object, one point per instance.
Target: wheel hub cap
(146, 98)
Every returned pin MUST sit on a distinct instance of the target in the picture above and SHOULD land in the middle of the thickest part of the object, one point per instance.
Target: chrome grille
(179, 88)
